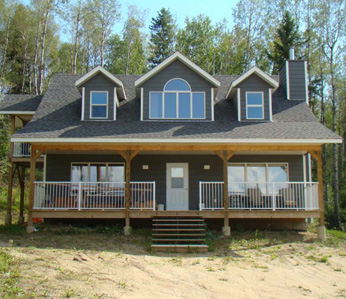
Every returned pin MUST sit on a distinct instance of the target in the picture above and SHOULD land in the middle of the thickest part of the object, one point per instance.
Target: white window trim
(142, 99)
(254, 105)
(97, 163)
(270, 104)
(83, 103)
(177, 105)
(267, 164)
(212, 103)
(239, 104)
(164, 88)
(116, 101)
(91, 104)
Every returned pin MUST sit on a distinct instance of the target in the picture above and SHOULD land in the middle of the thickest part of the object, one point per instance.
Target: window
(97, 172)
(177, 177)
(99, 104)
(254, 105)
(177, 101)
(255, 175)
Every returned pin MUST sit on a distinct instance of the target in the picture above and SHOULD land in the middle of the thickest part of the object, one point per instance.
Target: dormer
(101, 93)
(251, 94)
(177, 89)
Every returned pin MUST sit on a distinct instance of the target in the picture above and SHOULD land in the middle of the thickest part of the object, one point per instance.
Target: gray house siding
(297, 80)
(254, 83)
(99, 83)
(177, 70)
(59, 169)
(282, 77)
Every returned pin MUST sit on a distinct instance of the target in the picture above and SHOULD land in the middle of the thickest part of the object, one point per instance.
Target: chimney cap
(292, 56)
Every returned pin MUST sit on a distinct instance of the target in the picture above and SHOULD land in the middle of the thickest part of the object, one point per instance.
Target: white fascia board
(18, 112)
(259, 73)
(177, 140)
(184, 60)
(94, 72)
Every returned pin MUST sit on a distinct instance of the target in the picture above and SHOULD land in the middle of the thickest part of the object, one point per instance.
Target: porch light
(206, 167)
(145, 167)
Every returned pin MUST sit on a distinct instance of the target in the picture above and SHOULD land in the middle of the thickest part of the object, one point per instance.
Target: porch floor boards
(145, 214)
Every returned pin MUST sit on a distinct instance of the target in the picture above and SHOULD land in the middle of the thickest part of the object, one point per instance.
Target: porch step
(179, 248)
(179, 234)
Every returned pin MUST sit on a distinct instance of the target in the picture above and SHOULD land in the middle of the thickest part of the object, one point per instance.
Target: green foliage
(162, 35)
(9, 275)
(287, 36)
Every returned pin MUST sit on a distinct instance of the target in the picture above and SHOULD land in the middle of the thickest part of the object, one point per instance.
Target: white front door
(177, 186)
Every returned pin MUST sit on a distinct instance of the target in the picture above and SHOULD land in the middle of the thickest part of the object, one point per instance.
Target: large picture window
(99, 104)
(177, 101)
(254, 105)
(97, 172)
(255, 175)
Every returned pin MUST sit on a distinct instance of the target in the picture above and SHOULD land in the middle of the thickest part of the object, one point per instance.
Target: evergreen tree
(162, 37)
(287, 36)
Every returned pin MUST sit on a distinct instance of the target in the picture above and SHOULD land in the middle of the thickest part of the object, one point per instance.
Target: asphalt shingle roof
(20, 102)
(58, 116)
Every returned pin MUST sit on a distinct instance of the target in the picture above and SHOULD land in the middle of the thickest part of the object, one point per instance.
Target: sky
(217, 10)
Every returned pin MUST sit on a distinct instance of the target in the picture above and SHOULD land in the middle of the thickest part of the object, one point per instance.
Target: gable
(177, 57)
(175, 70)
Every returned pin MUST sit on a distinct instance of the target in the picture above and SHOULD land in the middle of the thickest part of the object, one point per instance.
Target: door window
(177, 177)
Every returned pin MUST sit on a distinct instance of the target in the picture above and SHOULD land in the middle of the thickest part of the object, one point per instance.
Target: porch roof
(58, 118)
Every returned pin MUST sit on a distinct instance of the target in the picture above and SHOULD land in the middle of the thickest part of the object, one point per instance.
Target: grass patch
(9, 276)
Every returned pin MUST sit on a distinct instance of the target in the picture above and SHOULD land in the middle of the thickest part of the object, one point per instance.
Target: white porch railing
(260, 196)
(92, 196)
(21, 149)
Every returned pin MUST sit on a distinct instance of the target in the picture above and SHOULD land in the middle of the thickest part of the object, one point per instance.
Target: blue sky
(217, 10)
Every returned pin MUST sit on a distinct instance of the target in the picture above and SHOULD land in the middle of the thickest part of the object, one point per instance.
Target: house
(173, 142)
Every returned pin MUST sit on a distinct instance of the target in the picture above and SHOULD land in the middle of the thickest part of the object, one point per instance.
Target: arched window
(177, 101)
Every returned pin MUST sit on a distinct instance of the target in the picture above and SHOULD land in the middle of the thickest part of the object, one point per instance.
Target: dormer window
(254, 105)
(99, 104)
(177, 101)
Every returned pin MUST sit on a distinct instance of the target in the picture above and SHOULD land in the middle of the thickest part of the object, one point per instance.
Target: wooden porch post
(21, 178)
(34, 155)
(8, 218)
(321, 230)
(127, 156)
(225, 156)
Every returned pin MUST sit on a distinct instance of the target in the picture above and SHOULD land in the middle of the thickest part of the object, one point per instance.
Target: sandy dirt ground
(91, 264)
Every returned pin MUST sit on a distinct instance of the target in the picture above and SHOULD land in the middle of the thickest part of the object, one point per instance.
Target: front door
(177, 186)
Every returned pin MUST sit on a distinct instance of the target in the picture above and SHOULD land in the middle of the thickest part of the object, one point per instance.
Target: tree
(162, 35)
(331, 26)
(105, 13)
(287, 36)
(126, 55)
(197, 41)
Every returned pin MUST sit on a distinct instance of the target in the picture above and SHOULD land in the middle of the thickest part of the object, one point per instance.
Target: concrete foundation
(30, 229)
(20, 220)
(127, 230)
(321, 233)
(226, 230)
(8, 219)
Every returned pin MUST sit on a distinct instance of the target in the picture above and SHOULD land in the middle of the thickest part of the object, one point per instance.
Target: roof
(58, 119)
(100, 69)
(184, 60)
(19, 104)
(255, 70)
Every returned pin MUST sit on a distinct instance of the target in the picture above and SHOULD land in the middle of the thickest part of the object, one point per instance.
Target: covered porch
(133, 198)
